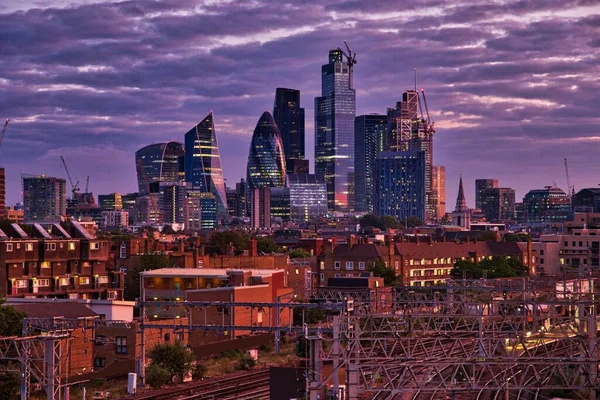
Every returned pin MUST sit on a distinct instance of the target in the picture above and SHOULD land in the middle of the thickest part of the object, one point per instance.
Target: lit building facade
(158, 162)
(498, 204)
(266, 158)
(308, 197)
(546, 205)
(369, 137)
(481, 185)
(203, 170)
(115, 219)
(44, 198)
(110, 202)
(147, 210)
(201, 211)
(400, 184)
(289, 117)
(280, 204)
(172, 202)
(335, 111)
(260, 199)
(438, 181)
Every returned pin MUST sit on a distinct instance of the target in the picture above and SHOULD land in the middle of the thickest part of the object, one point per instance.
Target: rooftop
(207, 272)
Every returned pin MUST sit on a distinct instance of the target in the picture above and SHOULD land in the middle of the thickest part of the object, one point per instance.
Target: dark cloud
(514, 84)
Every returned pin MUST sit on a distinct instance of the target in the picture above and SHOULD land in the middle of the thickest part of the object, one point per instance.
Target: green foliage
(412, 222)
(245, 363)
(267, 245)
(144, 262)
(173, 358)
(10, 383)
(168, 230)
(497, 267)
(157, 376)
(299, 253)
(446, 220)
(221, 240)
(388, 274)
(311, 316)
(383, 223)
(11, 320)
(517, 237)
(488, 236)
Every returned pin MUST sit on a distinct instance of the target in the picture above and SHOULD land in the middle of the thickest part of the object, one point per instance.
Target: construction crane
(74, 187)
(87, 184)
(570, 189)
(144, 176)
(350, 59)
(429, 121)
(4, 131)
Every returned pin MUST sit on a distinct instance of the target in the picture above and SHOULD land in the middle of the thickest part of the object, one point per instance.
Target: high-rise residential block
(44, 198)
(438, 182)
(158, 162)
(260, 216)
(147, 210)
(289, 117)
(498, 204)
(400, 184)
(482, 185)
(369, 136)
(203, 170)
(116, 219)
(266, 159)
(172, 202)
(335, 110)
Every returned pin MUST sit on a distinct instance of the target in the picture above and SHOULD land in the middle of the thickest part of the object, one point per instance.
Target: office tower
(308, 197)
(110, 202)
(115, 219)
(158, 162)
(289, 117)
(546, 205)
(498, 204)
(44, 198)
(296, 166)
(482, 185)
(438, 182)
(461, 216)
(241, 189)
(334, 130)
(587, 199)
(147, 210)
(172, 202)
(260, 198)
(232, 201)
(266, 160)
(399, 184)
(280, 204)
(203, 170)
(2, 194)
(369, 136)
(409, 131)
(201, 211)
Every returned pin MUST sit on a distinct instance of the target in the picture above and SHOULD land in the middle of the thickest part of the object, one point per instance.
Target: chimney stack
(253, 248)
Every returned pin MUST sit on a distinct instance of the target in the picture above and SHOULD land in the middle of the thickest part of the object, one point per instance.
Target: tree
(371, 220)
(489, 236)
(388, 274)
(11, 322)
(412, 222)
(390, 222)
(244, 363)
(517, 237)
(146, 262)
(496, 267)
(299, 253)
(170, 360)
(222, 240)
(266, 245)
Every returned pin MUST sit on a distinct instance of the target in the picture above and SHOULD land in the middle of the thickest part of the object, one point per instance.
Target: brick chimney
(253, 248)
(351, 241)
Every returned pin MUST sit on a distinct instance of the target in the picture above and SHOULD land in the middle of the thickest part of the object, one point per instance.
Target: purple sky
(514, 86)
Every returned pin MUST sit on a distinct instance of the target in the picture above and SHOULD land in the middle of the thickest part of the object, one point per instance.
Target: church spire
(461, 203)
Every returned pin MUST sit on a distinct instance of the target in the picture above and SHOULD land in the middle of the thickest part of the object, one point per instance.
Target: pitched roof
(360, 250)
(50, 310)
(457, 250)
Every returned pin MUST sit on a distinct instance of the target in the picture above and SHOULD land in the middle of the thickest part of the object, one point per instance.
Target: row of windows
(48, 246)
(83, 280)
(349, 265)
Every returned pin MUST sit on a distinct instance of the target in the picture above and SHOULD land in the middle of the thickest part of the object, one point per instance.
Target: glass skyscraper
(308, 197)
(266, 160)
(289, 117)
(334, 131)
(400, 184)
(369, 136)
(203, 172)
(159, 162)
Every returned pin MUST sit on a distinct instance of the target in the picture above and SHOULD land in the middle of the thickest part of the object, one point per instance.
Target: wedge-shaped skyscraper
(203, 172)
(266, 159)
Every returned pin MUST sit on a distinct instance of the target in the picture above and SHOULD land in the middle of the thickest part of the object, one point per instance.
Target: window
(541, 252)
(50, 246)
(45, 264)
(103, 279)
(18, 246)
(167, 337)
(322, 264)
(322, 277)
(336, 265)
(580, 244)
(28, 246)
(349, 275)
(361, 265)
(121, 344)
(337, 275)
(84, 280)
(71, 245)
(123, 251)
(95, 246)
(41, 282)
(349, 265)
(22, 283)
(111, 295)
(99, 362)
(63, 281)
(9, 247)
(61, 245)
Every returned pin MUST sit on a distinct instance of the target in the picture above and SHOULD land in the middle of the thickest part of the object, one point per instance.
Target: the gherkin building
(266, 159)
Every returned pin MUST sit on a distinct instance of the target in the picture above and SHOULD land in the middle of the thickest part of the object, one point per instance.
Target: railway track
(238, 386)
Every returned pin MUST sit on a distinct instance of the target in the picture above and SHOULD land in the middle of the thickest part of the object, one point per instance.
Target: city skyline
(504, 90)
